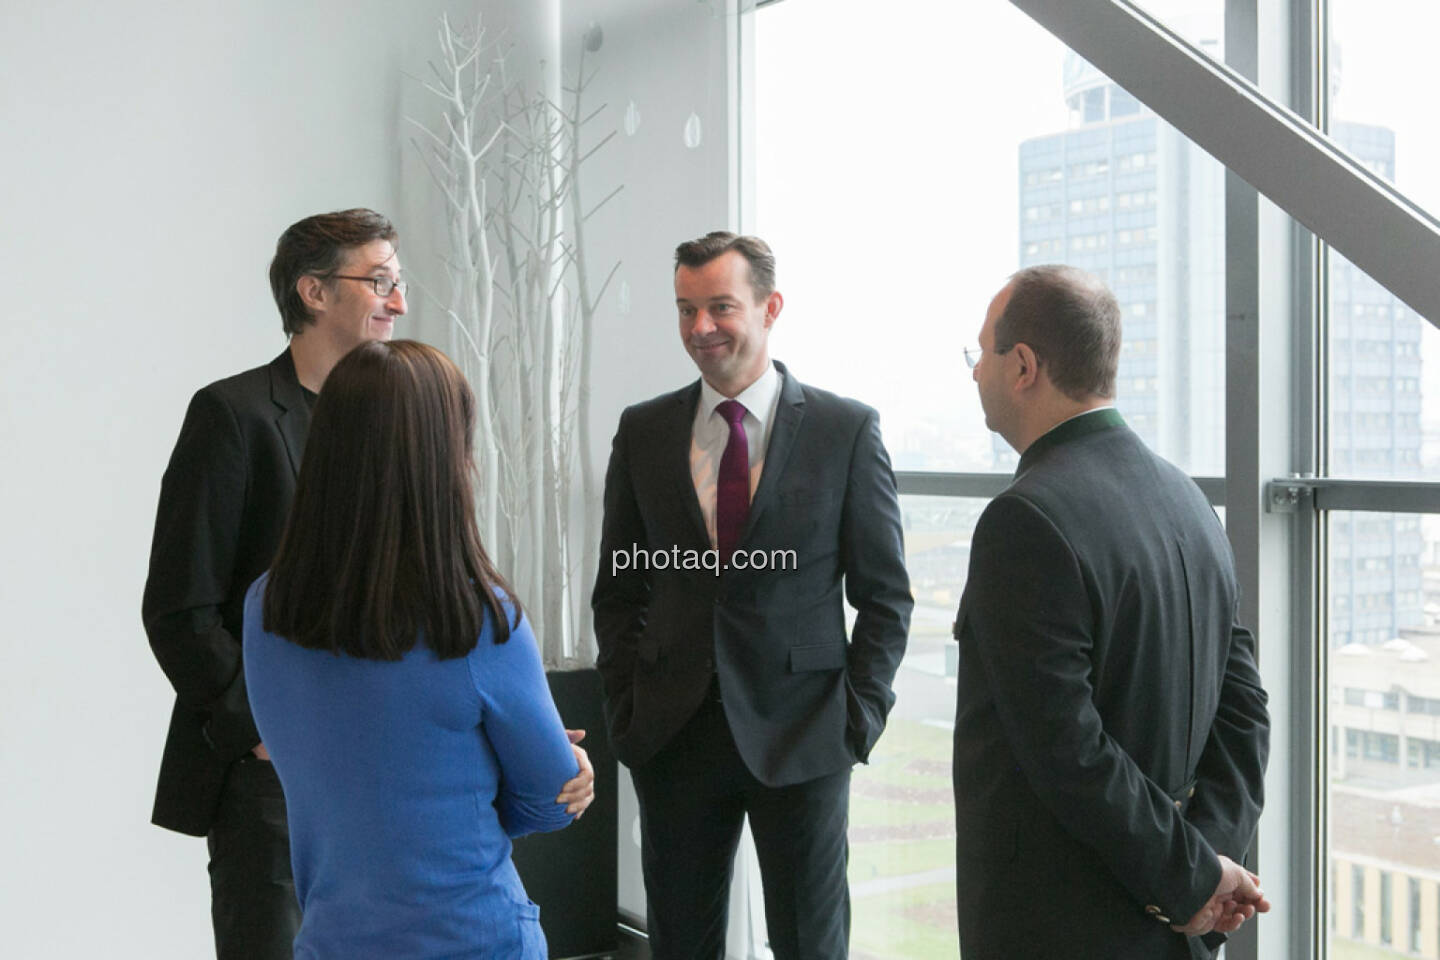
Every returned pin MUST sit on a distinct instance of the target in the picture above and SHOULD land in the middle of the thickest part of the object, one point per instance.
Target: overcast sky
(887, 167)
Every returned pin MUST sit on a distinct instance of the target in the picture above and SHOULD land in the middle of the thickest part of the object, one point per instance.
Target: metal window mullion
(924, 483)
(1366, 496)
(1308, 643)
(1309, 777)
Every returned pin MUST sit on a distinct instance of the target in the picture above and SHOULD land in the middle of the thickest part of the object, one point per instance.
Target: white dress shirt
(711, 433)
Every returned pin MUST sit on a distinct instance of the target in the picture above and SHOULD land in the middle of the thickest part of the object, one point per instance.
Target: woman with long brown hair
(396, 682)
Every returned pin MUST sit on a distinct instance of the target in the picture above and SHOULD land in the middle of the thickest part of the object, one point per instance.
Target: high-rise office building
(1125, 196)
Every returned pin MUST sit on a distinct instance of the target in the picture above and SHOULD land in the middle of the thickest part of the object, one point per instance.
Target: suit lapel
(789, 413)
(292, 414)
(676, 435)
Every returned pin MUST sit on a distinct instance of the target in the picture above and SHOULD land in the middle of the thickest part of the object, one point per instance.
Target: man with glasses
(223, 504)
(1111, 732)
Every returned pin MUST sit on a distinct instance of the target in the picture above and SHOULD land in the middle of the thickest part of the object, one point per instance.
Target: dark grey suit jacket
(1111, 732)
(801, 699)
(223, 503)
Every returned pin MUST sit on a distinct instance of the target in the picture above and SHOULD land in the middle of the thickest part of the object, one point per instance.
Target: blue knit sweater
(404, 782)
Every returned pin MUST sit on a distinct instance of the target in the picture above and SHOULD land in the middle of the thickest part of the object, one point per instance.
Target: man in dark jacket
(741, 512)
(1111, 731)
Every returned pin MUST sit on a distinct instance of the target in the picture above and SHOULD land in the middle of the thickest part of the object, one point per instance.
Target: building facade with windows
(1123, 195)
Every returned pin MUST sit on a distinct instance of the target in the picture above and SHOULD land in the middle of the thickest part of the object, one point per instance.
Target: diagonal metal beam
(1298, 168)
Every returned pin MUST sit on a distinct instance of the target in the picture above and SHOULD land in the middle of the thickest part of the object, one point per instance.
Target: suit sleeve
(876, 585)
(1230, 777)
(621, 597)
(192, 555)
(519, 718)
(1030, 615)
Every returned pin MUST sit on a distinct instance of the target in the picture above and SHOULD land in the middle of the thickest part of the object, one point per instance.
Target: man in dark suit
(224, 499)
(1111, 731)
(740, 512)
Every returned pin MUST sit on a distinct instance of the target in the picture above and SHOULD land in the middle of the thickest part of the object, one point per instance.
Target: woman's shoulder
(518, 651)
(254, 610)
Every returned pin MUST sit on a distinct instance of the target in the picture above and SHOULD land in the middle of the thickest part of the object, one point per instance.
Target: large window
(902, 823)
(1382, 421)
(900, 196)
(935, 148)
(1383, 665)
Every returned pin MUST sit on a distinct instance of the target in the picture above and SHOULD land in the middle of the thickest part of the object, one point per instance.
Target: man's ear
(312, 291)
(773, 305)
(1027, 365)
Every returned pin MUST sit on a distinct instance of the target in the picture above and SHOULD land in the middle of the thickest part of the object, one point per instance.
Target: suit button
(1162, 919)
(1191, 793)
(1152, 910)
(1177, 802)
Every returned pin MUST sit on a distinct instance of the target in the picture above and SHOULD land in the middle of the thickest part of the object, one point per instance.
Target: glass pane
(1384, 404)
(902, 819)
(1201, 22)
(1381, 353)
(900, 196)
(1384, 736)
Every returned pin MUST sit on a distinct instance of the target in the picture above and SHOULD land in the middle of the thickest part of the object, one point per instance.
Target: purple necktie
(732, 492)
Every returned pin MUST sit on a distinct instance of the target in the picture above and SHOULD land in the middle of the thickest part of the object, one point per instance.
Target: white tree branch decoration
(507, 163)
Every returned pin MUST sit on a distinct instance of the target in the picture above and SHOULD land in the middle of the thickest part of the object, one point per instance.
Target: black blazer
(802, 701)
(1111, 731)
(223, 503)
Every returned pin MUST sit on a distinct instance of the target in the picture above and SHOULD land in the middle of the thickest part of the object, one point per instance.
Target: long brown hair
(381, 544)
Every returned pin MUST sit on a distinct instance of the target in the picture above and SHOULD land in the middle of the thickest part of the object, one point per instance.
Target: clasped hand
(578, 792)
(1237, 898)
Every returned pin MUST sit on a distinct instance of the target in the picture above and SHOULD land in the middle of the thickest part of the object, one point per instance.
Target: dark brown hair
(1071, 321)
(317, 246)
(381, 545)
(697, 253)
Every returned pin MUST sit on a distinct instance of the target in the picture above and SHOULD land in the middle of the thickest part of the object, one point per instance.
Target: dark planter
(571, 874)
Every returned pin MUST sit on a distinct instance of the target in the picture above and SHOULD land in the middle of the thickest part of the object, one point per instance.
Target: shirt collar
(758, 399)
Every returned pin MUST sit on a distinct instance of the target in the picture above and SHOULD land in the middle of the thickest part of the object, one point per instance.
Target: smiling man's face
(724, 329)
(355, 313)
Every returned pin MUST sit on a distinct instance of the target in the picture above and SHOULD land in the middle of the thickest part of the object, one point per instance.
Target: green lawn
(1343, 949)
(876, 861)
(866, 812)
(902, 793)
(914, 924)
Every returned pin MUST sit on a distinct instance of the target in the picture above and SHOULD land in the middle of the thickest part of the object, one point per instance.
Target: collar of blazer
(789, 412)
(1092, 421)
(292, 414)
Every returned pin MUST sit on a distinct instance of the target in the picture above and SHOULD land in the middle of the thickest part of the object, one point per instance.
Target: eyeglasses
(973, 354)
(383, 285)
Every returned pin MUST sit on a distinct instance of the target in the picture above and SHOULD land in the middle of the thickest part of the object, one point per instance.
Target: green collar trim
(1092, 421)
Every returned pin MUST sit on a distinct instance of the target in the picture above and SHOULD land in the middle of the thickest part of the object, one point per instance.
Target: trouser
(694, 795)
(252, 893)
